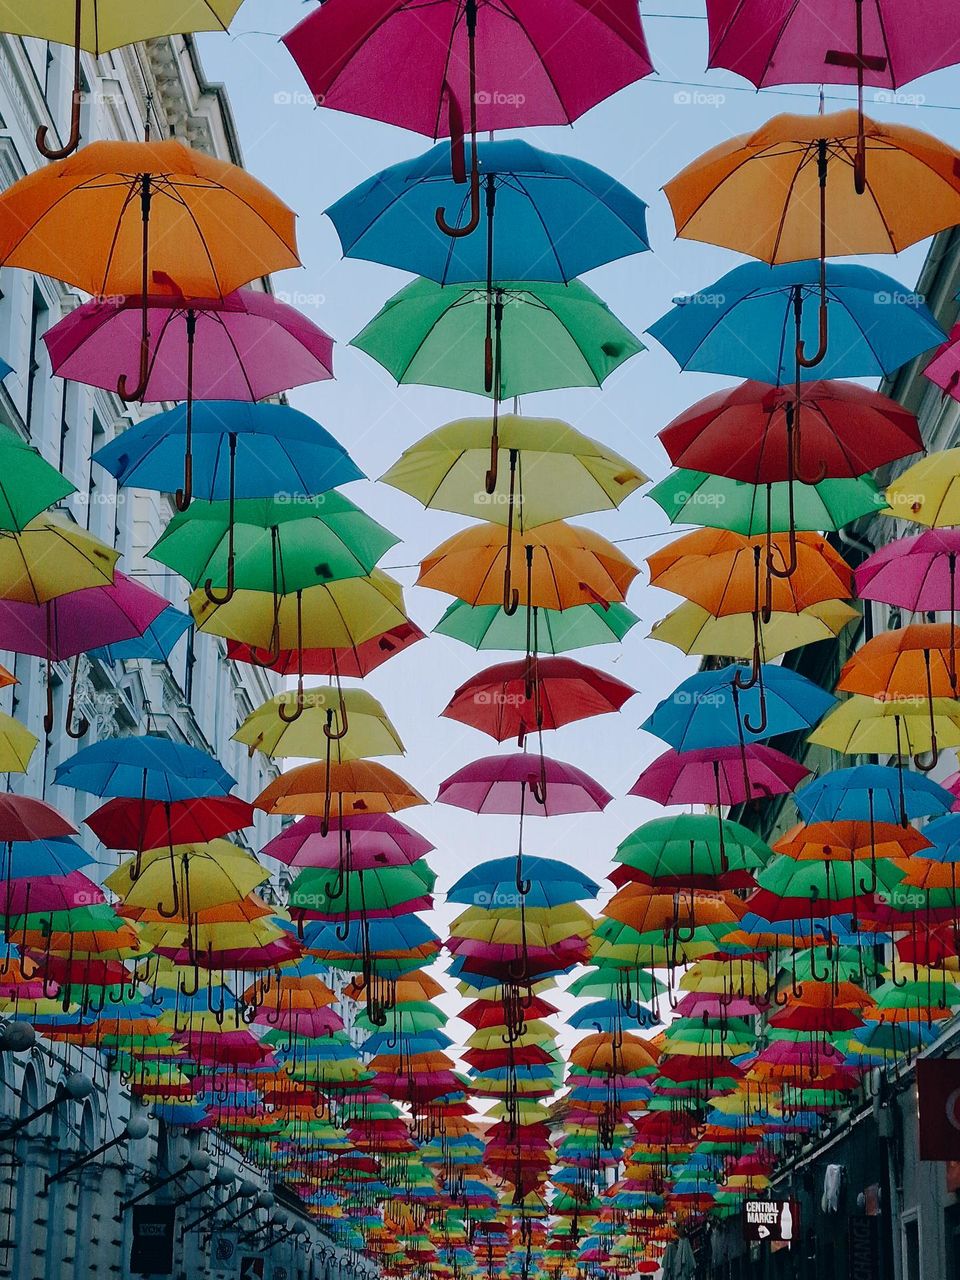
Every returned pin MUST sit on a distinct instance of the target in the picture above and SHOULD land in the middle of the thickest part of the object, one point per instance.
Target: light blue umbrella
(744, 324)
(553, 217)
(149, 766)
(278, 450)
(492, 884)
(155, 645)
(707, 710)
(875, 791)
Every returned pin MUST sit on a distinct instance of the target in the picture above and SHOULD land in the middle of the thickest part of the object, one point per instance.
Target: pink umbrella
(523, 784)
(944, 368)
(515, 784)
(862, 42)
(68, 625)
(952, 784)
(309, 1023)
(917, 573)
(252, 346)
(375, 840)
(699, 1004)
(23, 897)
(719, 775)
(504, 66)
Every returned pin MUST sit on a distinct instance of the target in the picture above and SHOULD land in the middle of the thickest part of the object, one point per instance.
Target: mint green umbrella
(280, 545)
(557, 631)
(548, 336)
(28, 484)
(697, 497)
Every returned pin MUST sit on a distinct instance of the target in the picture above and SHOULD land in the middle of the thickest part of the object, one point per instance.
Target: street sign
(864, 1241)
(151, 1252)
(938, 1092)
(773, 1220)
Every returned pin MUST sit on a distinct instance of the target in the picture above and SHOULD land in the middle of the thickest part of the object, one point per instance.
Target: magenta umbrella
(494, 64)
(523, 784)
(719, 775)
(944, 369)
(68, 625)
(251, 345)
(375, 839)
(28, 895)
(885, 43)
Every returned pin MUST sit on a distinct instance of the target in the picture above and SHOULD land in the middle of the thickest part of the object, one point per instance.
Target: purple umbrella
(877, 42)
(68, 625)
(251, 346)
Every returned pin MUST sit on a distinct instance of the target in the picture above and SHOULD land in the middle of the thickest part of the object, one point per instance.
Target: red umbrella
(513, 699)
(747, 432)
(131, 823)
(356, 662)
(23, 818)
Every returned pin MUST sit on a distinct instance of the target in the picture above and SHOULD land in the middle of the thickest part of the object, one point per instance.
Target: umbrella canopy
(375, 839)
(550, 336)
(258, 449)
(926, 492)
(502, 784)
(349, 53)
(694, 629)
(356, 787)
(355, 660)
(132, 823)
(870, 790)
(560, 472)
(709, 196)
(557, 631)
(718, 775)
(28, 484)
(555, 217)
(50, 557)
(149, 767)
(506, 702)
(17, 745)
(706, 330)
(249, 345)
(78, 621)
(361, 725)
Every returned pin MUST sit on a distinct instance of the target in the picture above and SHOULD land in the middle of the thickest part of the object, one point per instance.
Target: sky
(643, 136)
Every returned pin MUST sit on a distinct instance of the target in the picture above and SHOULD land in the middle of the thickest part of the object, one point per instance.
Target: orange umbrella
(141, 218)
(558, 566)
(844, 840)
(599, 1053)
(643, 908)
(795, 177)
(360, 786)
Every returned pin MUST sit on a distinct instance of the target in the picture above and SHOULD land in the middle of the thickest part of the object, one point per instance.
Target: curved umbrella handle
(298, 707)
(762, 726)
(124, 391)
(83, 724)
(789, 564)
(538, 788)
(61, 153)
(49, 717)
(803, 360)
(455, 232)
(217, 597)
(183, 497)
(339, 734)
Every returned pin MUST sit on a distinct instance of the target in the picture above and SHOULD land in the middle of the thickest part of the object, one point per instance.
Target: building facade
(67, 1214)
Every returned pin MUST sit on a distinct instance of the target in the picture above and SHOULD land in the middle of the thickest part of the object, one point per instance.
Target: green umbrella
(409, 1019)
(278, 544)
(551, 336)
(376, 891)
(696, 497)
(558, 631)
(681, 849)
(28, 484)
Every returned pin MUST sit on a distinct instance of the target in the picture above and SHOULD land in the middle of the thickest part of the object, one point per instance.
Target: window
(911, 1249)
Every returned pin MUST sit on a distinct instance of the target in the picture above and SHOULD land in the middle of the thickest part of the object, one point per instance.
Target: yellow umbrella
(866, 726)
(547, 471)
(695, 630)
(98, 26)
(17, 745)
(352, 718)
(51, 556)
(186, 878)
(928, 492)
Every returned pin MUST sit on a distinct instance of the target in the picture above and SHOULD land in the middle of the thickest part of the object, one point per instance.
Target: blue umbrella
(945, 834)
(875, 791)
(402, 933)
(58, 856)
(156, 644)
(493, 884)
(708, 710)
(552, 217)
(5, 370)
(745, 323)
(608, 1015)
(277, 450)
(399, 1042)
(151, 767)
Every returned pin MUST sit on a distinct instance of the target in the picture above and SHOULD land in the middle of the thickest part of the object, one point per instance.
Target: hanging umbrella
(29, 483)
(348, 53)
(719, 775)
(877, 324)
(156, 644)
(51, 556)
(149, 767)
(511, 700)
(354, 660)
(505, 784)
(132, 823)
(871, 791)
(353, 718)
(358, 786)
(746, 433)
(102, 27)
(271, 544)
(862, 726)
(376, 839)
(547, 217)
(182, 879)
(926, 492)
(75, 622)
(557, 631)
(17, 745)
(24, 818)
(695, 630)
(803, 214)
